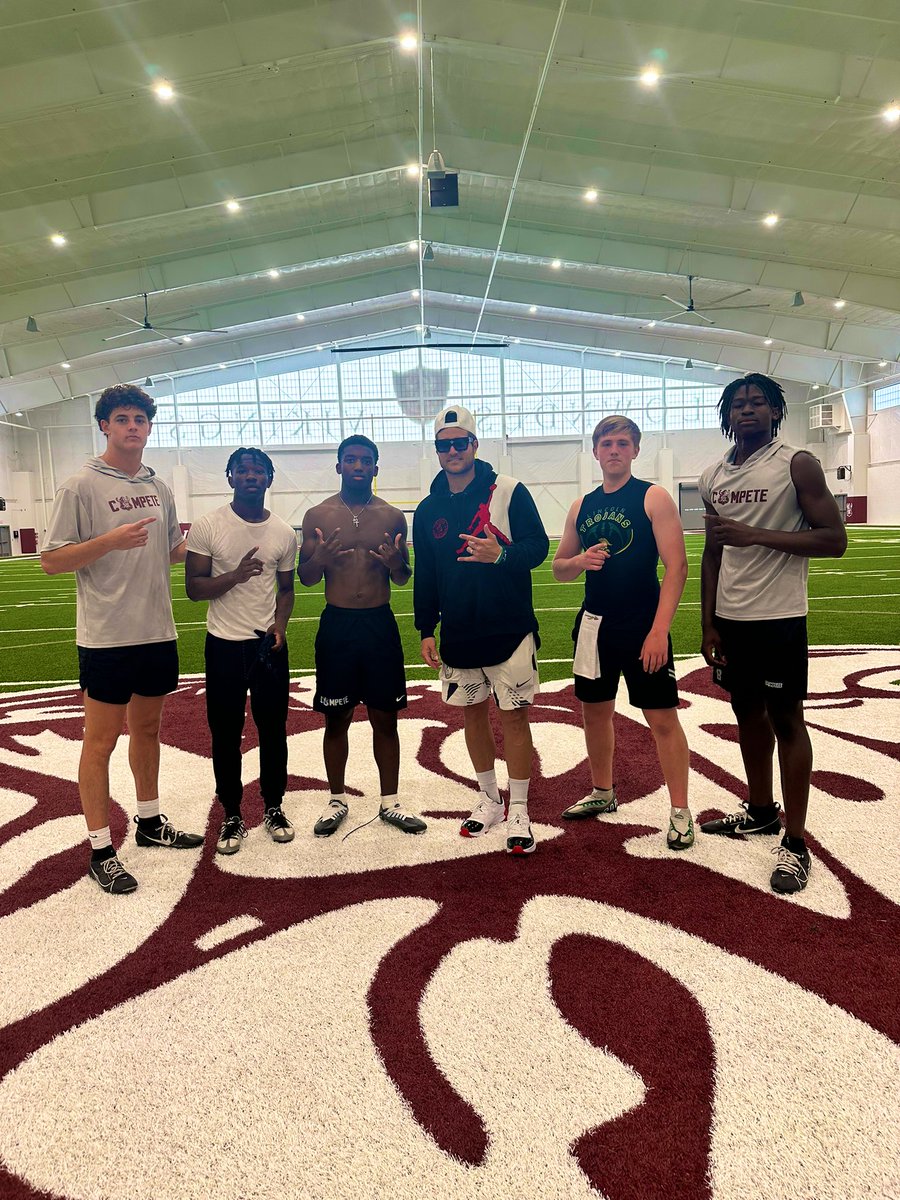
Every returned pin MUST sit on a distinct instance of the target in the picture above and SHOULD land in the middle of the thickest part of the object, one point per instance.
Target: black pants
(233, 669)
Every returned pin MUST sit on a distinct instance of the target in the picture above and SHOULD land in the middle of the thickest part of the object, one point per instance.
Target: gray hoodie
(124, 598)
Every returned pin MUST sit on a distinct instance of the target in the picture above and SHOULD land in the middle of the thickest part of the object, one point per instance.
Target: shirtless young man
(358, 543)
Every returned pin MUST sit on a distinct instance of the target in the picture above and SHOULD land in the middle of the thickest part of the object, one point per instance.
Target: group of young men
(477, 536)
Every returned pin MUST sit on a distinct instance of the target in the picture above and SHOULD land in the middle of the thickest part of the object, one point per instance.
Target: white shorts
(514, 683)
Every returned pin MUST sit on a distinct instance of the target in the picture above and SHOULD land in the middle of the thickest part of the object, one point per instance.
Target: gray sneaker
(279, 827)
(231, 835)
(400, 820)
(592, 806)
(112, 876)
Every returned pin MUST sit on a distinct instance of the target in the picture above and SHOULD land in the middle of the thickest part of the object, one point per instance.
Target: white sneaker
(485, 815)
(518, 831)
(231, 835)
(681, 829)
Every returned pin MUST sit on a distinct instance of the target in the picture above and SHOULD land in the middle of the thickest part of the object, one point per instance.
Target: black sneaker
(330, 819)
(112, 876)
(400, 820)
(792, 872)
(167, 835)
(743, 822)
(279, 827)
(231, 835)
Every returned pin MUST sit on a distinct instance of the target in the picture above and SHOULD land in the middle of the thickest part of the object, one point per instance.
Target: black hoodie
(485, 609)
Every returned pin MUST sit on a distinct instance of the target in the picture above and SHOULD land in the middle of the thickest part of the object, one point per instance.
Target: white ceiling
(307, 112)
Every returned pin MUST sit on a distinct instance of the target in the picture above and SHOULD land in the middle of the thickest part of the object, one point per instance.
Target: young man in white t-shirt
(241, 559)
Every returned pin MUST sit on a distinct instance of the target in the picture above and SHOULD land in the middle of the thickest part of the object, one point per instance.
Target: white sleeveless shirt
(755, 583)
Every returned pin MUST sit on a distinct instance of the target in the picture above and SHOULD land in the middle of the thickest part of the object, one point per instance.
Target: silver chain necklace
(354, 515)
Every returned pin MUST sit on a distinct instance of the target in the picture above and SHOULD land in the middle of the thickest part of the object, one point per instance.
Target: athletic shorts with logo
(619, 653)
(764, 659)
(359, 660)
(113, 674)
(513, 683)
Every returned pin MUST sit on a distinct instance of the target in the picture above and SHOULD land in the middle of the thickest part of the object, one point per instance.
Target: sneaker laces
(112, 868)
(484, 808)
(788, 862)
(232, 827)
(518, 820)
(275, 818)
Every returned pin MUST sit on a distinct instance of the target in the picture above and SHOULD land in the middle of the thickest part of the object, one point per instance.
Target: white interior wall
(884, 467)
(557, 471)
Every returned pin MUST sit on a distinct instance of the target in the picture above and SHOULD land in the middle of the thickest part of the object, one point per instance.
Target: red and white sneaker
(518, 831)
(485, 815)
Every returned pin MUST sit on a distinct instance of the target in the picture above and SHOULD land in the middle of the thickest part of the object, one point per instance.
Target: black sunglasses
(445, 445)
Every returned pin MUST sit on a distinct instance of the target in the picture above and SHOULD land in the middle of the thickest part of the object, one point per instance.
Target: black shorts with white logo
(113, 674)
(359, 660)
(766, 660)
(620, 654)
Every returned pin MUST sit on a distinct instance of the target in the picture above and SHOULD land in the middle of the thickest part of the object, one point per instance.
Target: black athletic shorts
(764, 659)
(620, 654)
(359, 659)
(114, 674)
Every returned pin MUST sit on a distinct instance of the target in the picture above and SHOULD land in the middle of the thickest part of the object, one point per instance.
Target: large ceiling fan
(721, 305)
(147, 326)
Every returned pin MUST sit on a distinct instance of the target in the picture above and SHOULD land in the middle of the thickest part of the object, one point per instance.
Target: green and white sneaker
(594, 805)
(681, 829)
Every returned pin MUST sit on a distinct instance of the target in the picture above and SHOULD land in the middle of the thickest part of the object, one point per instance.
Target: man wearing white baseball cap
(477, 538)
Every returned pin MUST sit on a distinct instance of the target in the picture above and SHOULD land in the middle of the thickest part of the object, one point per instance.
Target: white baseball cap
(454, 417)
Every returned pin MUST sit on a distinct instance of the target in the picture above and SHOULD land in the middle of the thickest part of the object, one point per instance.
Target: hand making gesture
(480, 549)
(328, 549)
(248, 567)
(130, 536)
(722, 531)
(390, 553)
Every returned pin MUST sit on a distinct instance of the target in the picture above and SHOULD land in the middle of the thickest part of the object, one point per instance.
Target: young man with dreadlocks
(768, 511)
(241, 559)
(357, 542)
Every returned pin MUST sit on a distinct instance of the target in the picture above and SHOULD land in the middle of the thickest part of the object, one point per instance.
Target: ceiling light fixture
(816, 386)
(413, 245)
(413, 170)
(840, 303)
(883, 363)
(651, 324)
(556, 264)
(617, 353)
(649, 76)
(31, 326)
(591, 195)
(532, 308)
(891, 114)
(717, 367)
(767, 341)
(415, 293)
(300, 316)
(798, 300)
(409, 42)
(232, 206)
(771, 219)
(187, 338)
(163, 90)
(273, 273)
(57, 239)
(66, 366)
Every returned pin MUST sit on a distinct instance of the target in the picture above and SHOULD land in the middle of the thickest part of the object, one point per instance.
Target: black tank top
(626, 591)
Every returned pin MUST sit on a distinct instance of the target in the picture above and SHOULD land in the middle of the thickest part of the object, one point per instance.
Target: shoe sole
(732, 831)
(402, 830)
(165, 845)
(569, 815)
(787, 891)
(522, 849)
(126, 891)
(227, 850)
(680, 845)
(282, 841)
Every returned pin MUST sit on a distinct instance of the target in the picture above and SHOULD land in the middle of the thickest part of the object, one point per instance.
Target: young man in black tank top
(615, 535)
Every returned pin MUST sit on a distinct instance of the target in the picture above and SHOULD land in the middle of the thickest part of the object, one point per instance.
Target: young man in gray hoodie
(114, 525)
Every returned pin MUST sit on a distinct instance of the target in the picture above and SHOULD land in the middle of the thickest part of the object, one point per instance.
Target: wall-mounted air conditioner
(825, 416)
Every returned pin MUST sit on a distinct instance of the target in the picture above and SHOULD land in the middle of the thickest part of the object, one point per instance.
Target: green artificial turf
(853, 600)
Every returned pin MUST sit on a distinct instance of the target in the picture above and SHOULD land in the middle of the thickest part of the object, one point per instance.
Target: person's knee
(337, 723)
(100, 743)
(515, 723)
(787, 722)
(383, 723)
(663, 722)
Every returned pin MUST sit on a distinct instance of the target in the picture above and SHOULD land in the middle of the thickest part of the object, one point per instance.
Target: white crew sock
(100, 838)
(338, 798)
(487, 781)
(518, 791)
(148, 809)
(602, 793)
(390, 801)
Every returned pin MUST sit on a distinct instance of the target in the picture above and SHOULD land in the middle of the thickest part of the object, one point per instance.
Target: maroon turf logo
(431, 937)
(440, 527)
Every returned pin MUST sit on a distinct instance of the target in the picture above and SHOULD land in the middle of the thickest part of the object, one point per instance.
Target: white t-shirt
(225, 538)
